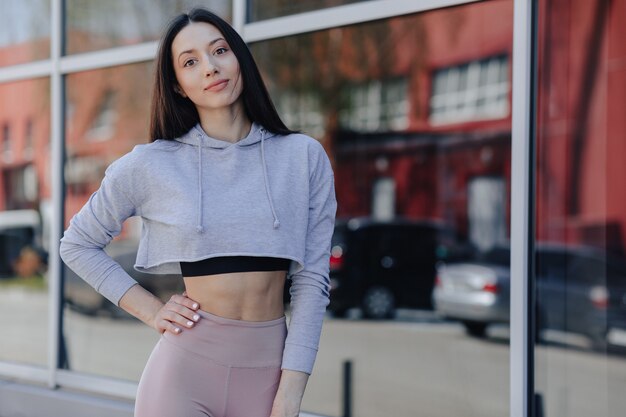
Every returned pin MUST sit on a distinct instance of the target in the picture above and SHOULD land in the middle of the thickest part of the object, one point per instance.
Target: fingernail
(190, 323)
(196, 317)
(177, 330)
(195, 305)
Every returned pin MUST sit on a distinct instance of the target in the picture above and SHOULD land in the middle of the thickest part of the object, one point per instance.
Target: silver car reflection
(578, 289)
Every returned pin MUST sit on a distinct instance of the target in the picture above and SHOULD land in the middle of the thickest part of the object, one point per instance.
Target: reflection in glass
(377, 105)
(266, 9)
(24, 31)
(472, 91)
(25, 215)
(580, 281)
(420, 200)
(94, 25)
(107, 115)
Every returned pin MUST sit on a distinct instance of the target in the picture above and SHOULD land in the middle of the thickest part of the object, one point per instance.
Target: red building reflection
(426, 132)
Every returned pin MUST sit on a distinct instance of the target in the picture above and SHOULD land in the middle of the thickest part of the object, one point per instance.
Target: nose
(210, 66)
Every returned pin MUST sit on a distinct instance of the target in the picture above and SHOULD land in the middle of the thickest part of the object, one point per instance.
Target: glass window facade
(25, 217)
(580, 281)
(25, 33)
(419, 202)
(94, 25)
(415, 113)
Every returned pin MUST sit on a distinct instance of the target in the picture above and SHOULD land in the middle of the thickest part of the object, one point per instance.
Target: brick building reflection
(415, 112)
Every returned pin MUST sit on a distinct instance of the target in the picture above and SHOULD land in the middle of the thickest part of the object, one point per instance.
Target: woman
(235, 202)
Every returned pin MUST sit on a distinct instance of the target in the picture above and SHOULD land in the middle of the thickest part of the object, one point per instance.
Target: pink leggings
(219, 368)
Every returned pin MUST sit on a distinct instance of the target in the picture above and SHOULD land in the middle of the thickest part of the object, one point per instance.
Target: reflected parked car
(20, 230)
(579, 289)
(381, 265)
(82, 298)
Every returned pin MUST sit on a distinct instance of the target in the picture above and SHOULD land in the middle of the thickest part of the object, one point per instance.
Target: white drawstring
(267, 189)
(199, 227)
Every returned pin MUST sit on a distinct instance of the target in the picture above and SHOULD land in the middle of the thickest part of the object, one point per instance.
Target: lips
(217, 85)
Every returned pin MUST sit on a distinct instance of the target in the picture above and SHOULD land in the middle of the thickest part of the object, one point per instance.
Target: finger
(185, 301)
(181, 314)
(178, 319)
(167, 326)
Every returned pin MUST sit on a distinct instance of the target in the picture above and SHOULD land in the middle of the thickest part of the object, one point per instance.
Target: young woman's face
(206, 68)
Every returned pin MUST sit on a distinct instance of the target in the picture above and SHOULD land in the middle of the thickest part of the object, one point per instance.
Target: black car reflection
(578, 289)
(82, 298)
(382, 265)
(21, 249)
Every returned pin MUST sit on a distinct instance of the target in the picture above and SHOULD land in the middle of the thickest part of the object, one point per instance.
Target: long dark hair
(173, 115)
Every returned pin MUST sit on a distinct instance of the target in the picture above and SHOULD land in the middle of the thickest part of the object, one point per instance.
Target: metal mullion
(28, 71)
(109, 57)
(349, 14)
(521, 352)
(80, 62)
(56, 175)
(240, 10)
(27, 372)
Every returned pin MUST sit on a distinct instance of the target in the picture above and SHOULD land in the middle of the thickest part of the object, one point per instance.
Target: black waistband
(225, 264)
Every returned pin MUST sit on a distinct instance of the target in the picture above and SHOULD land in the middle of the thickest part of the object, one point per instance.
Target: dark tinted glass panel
(581, 208)
(497, 256)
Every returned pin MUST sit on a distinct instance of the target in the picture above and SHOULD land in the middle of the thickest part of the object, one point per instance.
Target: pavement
(415, 365)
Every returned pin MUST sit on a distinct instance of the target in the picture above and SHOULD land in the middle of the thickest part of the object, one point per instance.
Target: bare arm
(290, 392)
(162, 317)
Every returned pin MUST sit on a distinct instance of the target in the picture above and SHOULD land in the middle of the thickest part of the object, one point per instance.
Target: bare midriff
(249, 296)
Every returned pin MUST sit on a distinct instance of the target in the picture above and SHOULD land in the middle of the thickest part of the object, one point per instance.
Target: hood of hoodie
(197, 137)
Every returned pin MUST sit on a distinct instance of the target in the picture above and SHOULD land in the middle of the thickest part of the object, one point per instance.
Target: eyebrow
(191, 50)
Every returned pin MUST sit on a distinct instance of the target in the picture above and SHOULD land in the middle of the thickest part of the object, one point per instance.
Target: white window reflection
(302, 111)
(375, 105)
(384, 199)
(104, 123)
(486, 212)
(473, 91)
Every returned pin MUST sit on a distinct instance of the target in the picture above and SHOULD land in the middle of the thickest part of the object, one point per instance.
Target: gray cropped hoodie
(200, 197)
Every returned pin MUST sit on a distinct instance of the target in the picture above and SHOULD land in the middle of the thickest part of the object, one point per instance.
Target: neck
(230, 124)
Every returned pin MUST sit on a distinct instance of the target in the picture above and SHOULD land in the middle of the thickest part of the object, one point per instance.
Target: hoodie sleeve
(91, 229)
(310, 288)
